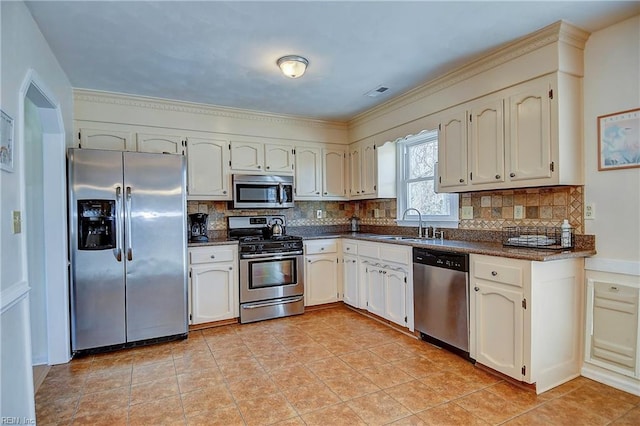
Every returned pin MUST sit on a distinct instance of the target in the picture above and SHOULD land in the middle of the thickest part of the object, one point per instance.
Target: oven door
(262, 195)
(270, 276)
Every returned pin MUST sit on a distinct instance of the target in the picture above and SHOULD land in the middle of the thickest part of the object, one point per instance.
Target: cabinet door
(321, 279)
(530, 134)
(278, 158)
(355, 170)
(369, 169)
(212, 292)
(113, 140)
(208, 168)
(247, 156)
(162, 144)
(486, 143)
(350, 281)
(614, 326)
(308, 174)
(395, 289)
(452, 151)
(333, 165)
(499, 328)
(375, 290)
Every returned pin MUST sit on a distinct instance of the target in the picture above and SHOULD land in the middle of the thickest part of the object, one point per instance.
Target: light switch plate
(17, 222)
(589, 211)
(318, 214)
(467, 212)
(518, 212)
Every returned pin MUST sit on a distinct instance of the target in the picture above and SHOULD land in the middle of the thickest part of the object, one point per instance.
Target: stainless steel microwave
(262, 191)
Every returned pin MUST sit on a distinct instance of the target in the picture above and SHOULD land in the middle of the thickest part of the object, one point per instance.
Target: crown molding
(121, 99)
(558, 31)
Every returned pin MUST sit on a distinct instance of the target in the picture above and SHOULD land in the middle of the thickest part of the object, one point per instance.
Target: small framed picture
(6, 142)
(619, 140)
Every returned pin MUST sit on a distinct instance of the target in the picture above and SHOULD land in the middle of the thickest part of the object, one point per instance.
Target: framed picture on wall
(619, 140)
(6, 142)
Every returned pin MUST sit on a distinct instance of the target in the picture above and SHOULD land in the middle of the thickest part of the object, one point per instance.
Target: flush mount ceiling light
(293, 66)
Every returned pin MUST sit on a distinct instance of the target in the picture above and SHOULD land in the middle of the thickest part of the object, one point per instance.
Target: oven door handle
(271, 255)
(272, 303)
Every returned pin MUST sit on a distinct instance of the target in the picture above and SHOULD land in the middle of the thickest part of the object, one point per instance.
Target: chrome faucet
(419, 218)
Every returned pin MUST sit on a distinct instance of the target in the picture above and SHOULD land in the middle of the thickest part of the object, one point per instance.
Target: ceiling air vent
(376, 92)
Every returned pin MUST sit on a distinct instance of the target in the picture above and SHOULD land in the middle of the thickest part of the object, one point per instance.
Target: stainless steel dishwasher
(441, 298)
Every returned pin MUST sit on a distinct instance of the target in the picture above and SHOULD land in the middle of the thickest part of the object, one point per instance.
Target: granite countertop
(476, 247)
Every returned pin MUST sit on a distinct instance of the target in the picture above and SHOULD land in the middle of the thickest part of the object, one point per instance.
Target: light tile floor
(327, 367)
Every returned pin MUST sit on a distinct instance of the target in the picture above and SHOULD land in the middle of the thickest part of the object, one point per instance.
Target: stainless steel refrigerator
(128, 247)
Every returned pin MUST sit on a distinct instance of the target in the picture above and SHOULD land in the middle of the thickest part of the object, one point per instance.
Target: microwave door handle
(280, 193)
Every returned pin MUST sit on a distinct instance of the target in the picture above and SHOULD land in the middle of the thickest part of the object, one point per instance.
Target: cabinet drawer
(505, 274)
(369, 250)
(321, 246)
(212, 254)
(349, 247)
(396, 254)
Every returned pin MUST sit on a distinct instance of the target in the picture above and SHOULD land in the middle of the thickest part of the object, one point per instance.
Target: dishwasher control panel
(441, 259)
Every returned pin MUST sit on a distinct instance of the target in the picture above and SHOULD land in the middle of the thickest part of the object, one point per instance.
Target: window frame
(412, 219)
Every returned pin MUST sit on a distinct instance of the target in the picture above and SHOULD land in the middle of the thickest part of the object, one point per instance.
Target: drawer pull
(461, 180)
(497, 176)
(512, 174)
(614, 288)
(213, 256)
(494, 273)
(321, 248)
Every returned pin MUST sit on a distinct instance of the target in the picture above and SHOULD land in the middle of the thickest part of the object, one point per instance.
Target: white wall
(612, 84)
(23, 49)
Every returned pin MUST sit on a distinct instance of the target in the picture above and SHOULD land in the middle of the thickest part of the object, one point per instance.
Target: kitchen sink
(401, 238)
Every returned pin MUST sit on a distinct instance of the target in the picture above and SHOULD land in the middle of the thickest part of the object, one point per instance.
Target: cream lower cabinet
(213, 283)
(613, 329)
(525, 318)
(385, 276)
(322, 283)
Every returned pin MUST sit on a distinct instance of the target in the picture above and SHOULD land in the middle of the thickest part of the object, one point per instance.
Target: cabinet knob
(348, 248)
(224, 192)
(476, 288)
(268, 167)
(325, 193)
(497, 176)
(384, 272)
(309, 260)
(317, 193)
(512, 174)
(259, 167)
(321, 248)
(213, 256)
(461, 180)
(494, 273)
(231, 268)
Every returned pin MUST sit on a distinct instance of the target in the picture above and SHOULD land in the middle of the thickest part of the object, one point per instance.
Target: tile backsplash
(545, 206)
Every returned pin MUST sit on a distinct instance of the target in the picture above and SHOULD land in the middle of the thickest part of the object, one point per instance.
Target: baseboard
(196, 327)
(39, 374)
(609, 378)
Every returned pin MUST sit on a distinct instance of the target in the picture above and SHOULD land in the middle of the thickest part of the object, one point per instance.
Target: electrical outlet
(17, 222)
(318, 214)
(467, 212)
(590, 211)
(518, 212)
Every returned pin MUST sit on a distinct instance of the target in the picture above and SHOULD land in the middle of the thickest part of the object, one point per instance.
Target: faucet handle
(438, 234)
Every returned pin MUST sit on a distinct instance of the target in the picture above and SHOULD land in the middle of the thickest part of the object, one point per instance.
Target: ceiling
(224, 53)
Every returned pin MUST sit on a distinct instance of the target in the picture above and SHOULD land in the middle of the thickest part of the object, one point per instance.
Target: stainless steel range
(271, 274)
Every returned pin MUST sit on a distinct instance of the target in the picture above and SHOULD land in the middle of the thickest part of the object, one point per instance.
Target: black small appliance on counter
(198, 228)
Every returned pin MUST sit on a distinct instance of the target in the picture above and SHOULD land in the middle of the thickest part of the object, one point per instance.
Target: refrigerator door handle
(118, 250)
(128, 214)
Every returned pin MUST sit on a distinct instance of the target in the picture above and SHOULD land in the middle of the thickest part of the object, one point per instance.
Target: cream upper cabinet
(106, 138)
(278, 158)
(208, 169)
(526, 318)
(372, 170)
(160, 143)
(247, 155)
(333, 172)
(308, 174)
(452, 150)
(486, 142)
(527, 135)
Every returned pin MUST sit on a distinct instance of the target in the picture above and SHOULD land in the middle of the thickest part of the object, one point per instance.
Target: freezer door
(155, 246)
(97, 274)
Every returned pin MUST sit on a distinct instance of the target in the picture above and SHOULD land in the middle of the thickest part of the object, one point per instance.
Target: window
(417, 170)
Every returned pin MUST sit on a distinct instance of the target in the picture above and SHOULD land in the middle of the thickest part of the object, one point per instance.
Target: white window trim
(412, 219)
